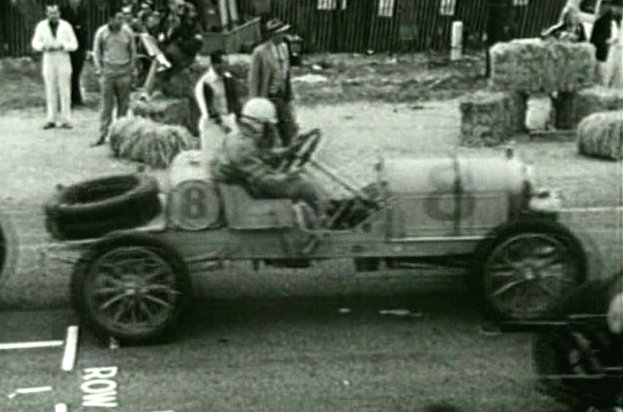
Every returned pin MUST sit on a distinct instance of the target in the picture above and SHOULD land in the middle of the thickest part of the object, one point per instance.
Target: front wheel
(132, 289)
(525, 267)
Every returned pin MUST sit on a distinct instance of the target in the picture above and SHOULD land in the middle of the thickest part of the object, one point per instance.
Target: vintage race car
(478, 213)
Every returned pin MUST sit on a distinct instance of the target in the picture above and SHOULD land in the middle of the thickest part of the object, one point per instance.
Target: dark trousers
(77, 61)
(115, 91)
(286, 120)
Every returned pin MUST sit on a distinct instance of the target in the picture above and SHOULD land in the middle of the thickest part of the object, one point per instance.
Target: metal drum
(193, 202)
(452, 196)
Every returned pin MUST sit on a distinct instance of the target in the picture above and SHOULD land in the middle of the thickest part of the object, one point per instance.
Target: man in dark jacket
(75, 14)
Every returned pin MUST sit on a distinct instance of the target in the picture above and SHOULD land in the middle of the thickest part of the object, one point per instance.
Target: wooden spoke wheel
(133, 293)
(526, 268)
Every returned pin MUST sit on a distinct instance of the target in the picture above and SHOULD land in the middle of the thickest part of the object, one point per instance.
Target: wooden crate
(233, 41)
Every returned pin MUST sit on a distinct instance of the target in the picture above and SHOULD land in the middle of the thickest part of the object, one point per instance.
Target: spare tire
(96, 207)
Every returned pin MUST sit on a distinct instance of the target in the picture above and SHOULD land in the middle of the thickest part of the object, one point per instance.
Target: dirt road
(285, 355)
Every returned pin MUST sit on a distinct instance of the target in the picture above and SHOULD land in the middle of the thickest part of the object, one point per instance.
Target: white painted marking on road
(592, 209)
(25, 391)
(71, 348)
(31, 345)
(60, 407)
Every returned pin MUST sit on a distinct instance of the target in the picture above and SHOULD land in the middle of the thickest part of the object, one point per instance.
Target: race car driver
(250, 154)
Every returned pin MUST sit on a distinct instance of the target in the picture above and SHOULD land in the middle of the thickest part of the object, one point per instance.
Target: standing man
(114, 56)
(56, 39)
(269, 77)
(217, 98)
(75, 14)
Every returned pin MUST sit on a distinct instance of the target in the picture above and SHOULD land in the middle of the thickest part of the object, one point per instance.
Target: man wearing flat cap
(269, 77)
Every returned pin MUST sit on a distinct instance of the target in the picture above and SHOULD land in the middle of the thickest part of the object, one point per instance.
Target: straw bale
(601, 135)
(597, 99)
(486, 118)
(149, 142)
(89, 80)
(542, 66)
(171, 111)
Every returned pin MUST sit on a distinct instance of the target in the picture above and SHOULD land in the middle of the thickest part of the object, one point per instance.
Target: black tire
(558, 357)
(173, 287)
(95, 207)
(8, 248)
(526, 274)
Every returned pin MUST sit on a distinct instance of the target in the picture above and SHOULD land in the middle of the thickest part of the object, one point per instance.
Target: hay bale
(596, 99)
(486, 118)
(601, 135)
(89, 80)
(538, 66)
(149, 142)
(171, 111)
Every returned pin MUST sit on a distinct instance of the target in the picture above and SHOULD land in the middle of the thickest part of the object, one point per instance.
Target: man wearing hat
(269, 77)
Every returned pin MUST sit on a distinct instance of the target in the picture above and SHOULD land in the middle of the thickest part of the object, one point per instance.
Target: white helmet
(261, 110)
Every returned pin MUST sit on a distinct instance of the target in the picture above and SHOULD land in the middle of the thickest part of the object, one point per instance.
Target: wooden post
(233, 12)
(223, 12)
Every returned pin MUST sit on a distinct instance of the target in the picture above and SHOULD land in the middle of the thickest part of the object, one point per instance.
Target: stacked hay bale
(597, 99)
(521, 68)
(557, 68)
(149, 142)
(169, 111)
(535, 66)
(489, 117)
(485, 120)
(601, 135)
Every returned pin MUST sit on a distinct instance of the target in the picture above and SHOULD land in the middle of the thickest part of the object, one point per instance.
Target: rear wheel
(522, 270)
(132, 289)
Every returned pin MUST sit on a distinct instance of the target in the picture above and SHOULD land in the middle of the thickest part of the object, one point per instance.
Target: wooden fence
(351, 26)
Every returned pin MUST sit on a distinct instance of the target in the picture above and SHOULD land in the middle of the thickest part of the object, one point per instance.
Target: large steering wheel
(306, 145)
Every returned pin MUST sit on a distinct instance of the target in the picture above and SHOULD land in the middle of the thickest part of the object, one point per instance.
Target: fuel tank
(452, 196)
(193, 202)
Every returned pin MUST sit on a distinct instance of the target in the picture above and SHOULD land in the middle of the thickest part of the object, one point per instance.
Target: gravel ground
(284, 355)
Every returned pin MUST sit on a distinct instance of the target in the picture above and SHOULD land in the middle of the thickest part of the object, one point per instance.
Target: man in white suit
(56, 39)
